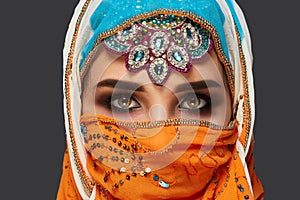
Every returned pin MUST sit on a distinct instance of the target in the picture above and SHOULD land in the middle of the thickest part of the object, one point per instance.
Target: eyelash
(107, 102)
(205, 108)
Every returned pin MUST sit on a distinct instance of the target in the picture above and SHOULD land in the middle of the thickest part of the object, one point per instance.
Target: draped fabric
(233, 177)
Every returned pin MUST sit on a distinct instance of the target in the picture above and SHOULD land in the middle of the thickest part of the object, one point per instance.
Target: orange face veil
(90, 24)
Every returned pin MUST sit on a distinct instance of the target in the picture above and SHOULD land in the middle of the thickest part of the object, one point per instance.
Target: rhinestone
(177, 56)
(158, 69)
(158, 42)
(126, 32)
(189, 33)
(138, 56)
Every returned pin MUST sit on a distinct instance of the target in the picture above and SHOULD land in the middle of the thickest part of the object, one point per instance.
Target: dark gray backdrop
(32, 142)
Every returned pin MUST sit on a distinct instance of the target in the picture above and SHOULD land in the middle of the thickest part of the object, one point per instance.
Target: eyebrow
(197, 85)
(119, 84)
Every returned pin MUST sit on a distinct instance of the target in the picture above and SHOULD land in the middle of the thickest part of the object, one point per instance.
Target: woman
(158, 102)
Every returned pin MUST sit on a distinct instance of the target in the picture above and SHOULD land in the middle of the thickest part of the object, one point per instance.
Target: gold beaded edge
(246, 106)
(87, 183)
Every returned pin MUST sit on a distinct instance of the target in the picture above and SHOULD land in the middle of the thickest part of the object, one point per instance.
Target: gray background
(32, 142)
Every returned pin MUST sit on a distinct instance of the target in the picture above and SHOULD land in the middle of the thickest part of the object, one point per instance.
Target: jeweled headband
(160, 43)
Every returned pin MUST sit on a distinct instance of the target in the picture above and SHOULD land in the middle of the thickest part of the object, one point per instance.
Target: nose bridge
(162, 105)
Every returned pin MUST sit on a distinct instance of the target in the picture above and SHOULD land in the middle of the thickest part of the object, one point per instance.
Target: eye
(194, 102)
(124, 103)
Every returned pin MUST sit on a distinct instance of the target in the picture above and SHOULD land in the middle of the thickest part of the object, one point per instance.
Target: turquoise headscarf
(111, 14)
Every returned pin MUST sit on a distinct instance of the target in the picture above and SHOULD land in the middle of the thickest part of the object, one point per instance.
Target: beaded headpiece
(160, 43)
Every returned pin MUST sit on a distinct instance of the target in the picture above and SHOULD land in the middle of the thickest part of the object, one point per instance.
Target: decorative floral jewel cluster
(160, 43)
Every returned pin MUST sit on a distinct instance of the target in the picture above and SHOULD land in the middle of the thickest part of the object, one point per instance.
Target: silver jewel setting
(137, 58)
(179, 58)
(158, 71)
(160, 43)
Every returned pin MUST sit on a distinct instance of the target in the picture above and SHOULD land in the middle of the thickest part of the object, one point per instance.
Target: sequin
(100, 158)
(155, 177)
(83, 130)
(163, 184)
(148, 170)
(123, 169)
(241, 188)
(142, 173)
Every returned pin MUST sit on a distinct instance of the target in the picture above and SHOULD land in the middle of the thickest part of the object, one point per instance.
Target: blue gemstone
(155, 177)
(189, 33)
(138, 56)
(177, 56)
(159, 43)
(158, 69)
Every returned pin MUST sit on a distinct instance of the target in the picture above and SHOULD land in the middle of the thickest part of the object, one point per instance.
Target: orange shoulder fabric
(67, 189)
(256, 184)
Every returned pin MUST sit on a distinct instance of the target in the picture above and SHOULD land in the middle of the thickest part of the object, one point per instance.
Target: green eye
(193, 102)
(124, 103)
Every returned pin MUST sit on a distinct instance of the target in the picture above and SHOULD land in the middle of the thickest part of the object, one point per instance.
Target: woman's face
(202, 93)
